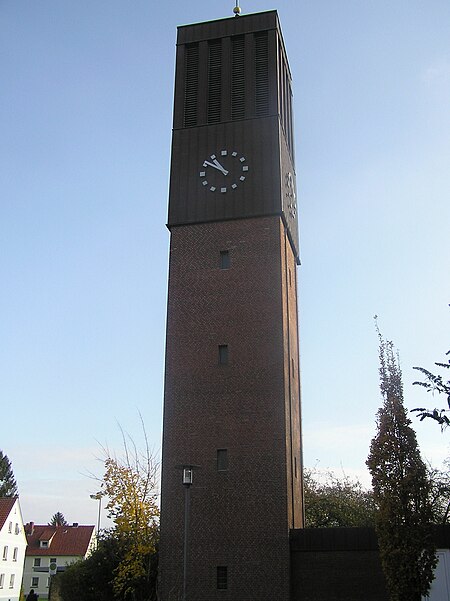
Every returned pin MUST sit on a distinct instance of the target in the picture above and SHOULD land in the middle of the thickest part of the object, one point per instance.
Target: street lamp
(98, 497)
(187, 476)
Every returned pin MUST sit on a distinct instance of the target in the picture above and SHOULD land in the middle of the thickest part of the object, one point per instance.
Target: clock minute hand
(216, 165)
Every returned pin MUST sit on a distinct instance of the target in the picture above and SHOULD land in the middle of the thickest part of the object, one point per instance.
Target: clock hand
(216, 165)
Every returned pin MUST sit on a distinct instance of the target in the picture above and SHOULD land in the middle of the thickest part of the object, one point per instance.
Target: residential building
(12, 548)
(51, 549)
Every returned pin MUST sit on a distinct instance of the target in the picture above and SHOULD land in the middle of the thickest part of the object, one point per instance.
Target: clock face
(224, 172)
(290, 195)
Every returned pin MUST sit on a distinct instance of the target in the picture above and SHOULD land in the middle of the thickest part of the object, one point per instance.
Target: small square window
(222, 577)
(222, 460)
(225, 259)
(223, 354)
(35, 582)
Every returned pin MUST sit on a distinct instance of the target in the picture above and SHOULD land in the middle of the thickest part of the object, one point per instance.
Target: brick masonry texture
(240, 518)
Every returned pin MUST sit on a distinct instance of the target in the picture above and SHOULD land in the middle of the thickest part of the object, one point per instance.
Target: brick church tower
(232, 390)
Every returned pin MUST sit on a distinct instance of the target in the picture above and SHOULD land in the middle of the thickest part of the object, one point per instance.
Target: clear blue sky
(85, 129)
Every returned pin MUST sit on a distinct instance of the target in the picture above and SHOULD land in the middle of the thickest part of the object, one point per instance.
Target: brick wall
(336, 564)
(240, 518)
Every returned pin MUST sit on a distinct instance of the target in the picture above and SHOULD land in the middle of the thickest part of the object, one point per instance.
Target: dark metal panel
(227, 27)
(249, 76)
(261, 141)
(226, 79)
(290, 219)
(179, 88)
(202, 83)
(273, 42)
(255, 141)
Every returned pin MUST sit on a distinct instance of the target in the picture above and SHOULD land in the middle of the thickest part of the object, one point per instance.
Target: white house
(50, 549)
(12, 549)
(440, 587)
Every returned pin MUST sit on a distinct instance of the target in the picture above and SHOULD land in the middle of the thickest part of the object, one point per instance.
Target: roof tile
(67, 540)
(6, 505)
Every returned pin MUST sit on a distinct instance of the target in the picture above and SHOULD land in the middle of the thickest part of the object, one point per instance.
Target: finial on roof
(237, 9)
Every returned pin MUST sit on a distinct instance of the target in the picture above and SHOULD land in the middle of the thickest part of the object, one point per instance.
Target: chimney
(29, 528)
(75, 525)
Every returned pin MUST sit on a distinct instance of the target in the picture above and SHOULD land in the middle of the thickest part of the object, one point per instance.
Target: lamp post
(98, 497)
(187, 482)
(187, 473)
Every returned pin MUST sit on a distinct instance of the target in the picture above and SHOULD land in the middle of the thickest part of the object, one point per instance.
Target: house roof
(6, 505)
(62, 540)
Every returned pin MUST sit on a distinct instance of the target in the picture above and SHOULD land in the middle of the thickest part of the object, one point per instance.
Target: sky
(86, 99)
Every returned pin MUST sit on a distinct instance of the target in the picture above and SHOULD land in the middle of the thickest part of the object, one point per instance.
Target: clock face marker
(213, 188)
(242, 178)
(242, 159)
(245, 168)
(202, 173)
(234, 186)
(223, 189)
(205, 182)
(234, 154)
(224, 153)
(213, 156)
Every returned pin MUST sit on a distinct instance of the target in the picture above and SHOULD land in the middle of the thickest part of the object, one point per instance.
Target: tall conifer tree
(8, 485)
(401, 489)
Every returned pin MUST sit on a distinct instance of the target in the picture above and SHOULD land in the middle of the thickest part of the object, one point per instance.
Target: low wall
(336, 564)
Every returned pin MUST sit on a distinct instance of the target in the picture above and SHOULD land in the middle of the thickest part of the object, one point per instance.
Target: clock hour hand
(216, 165)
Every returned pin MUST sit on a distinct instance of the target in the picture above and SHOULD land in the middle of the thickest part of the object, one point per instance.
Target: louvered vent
(237, 78)
(214, 80)
(191, 86)
(285, 105)
(261, 74)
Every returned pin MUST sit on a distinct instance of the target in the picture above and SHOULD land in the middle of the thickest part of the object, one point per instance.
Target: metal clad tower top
(233, 86)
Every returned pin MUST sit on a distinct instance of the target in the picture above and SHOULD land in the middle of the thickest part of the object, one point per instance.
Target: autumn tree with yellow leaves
(124, 565)
(129, 483)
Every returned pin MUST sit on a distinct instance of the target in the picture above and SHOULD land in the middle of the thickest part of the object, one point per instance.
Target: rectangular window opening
(222, 577)
(11, 580)
(223, 354)
(5, 552)
(225, 259)
(35, 582)
(222, 460)
(37, 562)
(16, 550)
(2, 580)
